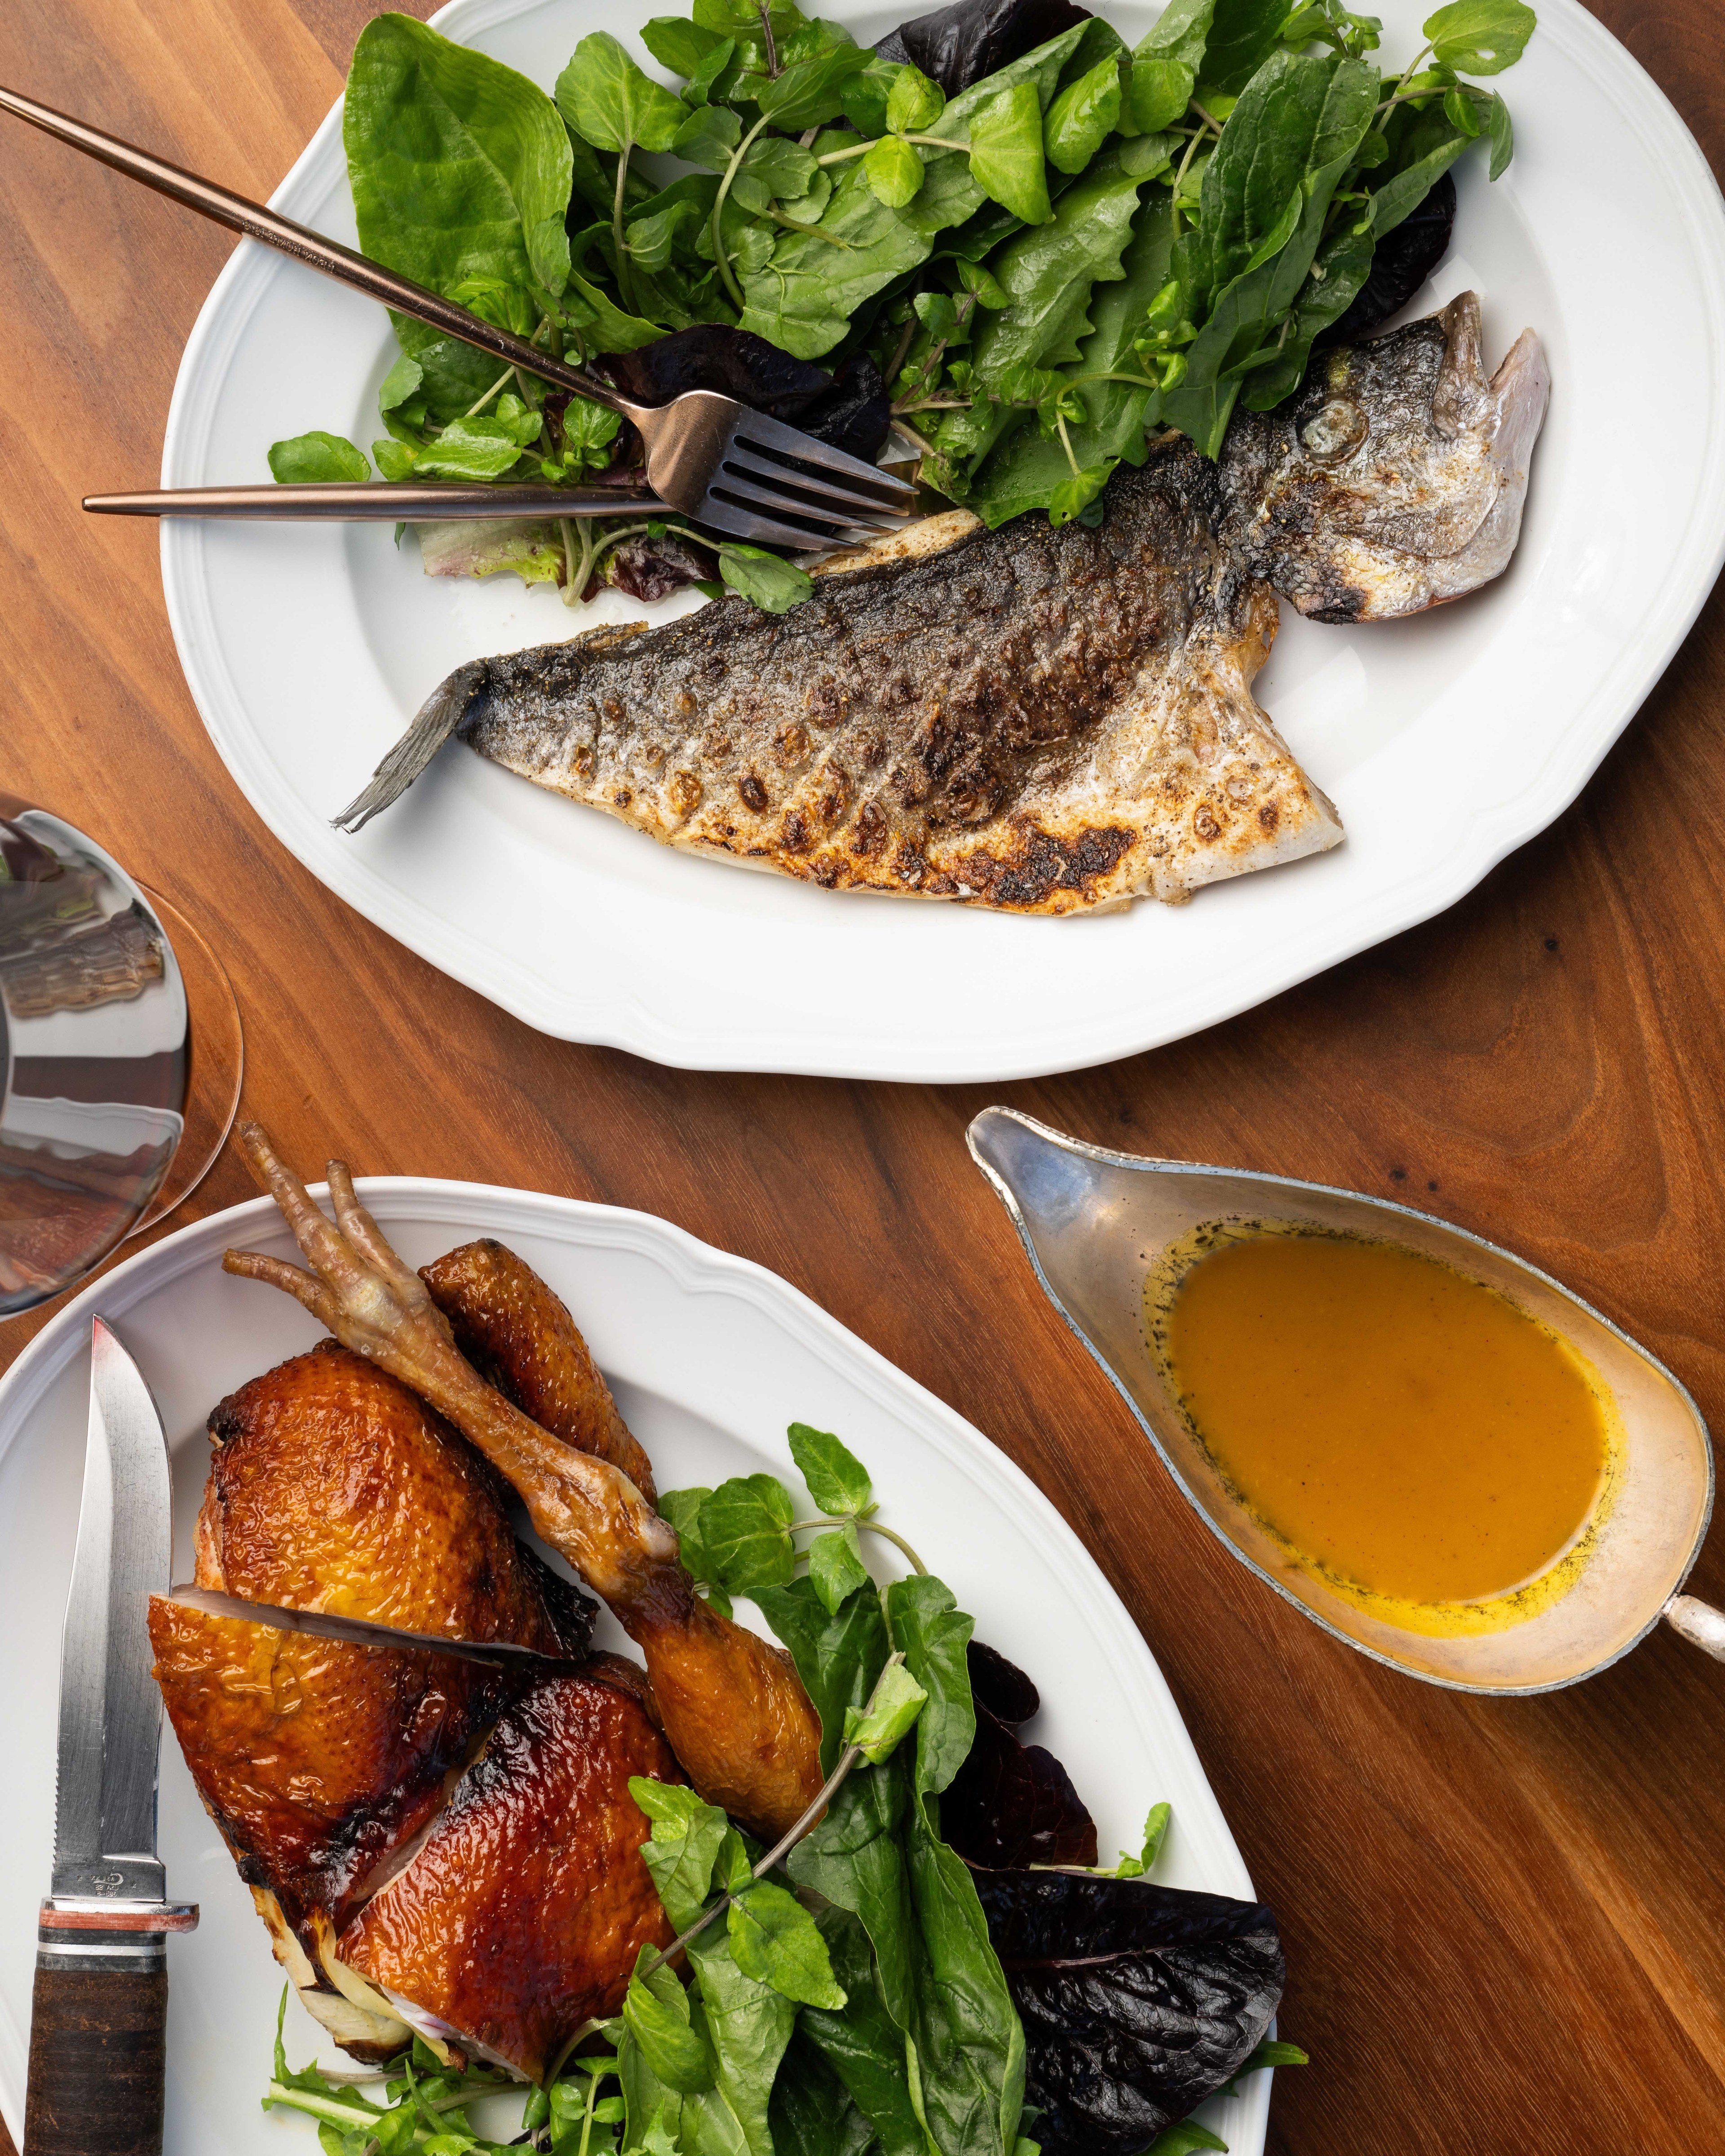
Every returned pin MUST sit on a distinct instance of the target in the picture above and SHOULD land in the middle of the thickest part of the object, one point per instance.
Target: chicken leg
(734, 1710)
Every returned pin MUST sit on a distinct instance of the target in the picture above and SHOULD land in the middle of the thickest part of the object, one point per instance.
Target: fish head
(1395, 480)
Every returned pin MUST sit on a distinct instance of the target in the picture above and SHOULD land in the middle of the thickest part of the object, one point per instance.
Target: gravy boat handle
(1700, 1623)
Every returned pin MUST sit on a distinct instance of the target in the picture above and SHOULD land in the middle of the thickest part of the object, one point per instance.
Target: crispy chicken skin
(333, 1486)
(522, 1915)
(314, 1758)
(515, 1331)
(733, 1708)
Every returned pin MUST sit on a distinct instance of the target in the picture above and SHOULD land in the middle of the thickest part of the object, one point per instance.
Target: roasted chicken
(516, 1922)
(732, 1707)
(438, 1846)
(328, 1766)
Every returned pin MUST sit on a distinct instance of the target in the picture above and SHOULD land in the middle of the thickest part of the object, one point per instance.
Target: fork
(713, 459)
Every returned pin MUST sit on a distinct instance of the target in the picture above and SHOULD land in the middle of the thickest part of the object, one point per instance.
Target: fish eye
(1332, 432)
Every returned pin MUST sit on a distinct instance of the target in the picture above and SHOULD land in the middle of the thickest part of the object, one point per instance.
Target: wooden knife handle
(97, 2057)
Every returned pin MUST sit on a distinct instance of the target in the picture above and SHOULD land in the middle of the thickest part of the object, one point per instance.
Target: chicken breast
(522, 1915)
(334, 1487)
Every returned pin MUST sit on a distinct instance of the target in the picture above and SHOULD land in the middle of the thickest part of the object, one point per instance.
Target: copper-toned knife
(713, 458)
(364, 501)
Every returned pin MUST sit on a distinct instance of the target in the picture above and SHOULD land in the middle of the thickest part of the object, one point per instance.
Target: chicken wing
(733, 1708)
(517, 1332)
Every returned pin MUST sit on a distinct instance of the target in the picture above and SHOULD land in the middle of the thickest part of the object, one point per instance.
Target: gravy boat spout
(1102, 1228)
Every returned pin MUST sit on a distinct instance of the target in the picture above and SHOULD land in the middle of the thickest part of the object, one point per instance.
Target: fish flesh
(1036, 720)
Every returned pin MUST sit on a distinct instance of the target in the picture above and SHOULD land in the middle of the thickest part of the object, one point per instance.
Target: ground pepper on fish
(1038, 720)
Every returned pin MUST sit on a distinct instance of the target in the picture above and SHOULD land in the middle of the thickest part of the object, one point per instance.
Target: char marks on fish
(1033, 719)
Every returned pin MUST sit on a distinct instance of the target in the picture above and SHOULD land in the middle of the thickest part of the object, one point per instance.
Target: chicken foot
(734, 1710)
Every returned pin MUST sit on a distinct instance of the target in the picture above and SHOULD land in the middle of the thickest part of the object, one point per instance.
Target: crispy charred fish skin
(1395, 480)
(1028, 720)
(1042, 721)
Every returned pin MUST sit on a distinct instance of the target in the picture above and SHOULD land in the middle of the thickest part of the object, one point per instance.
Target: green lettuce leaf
(838, 1481)
(877, 1854)
(774, 585)
(1024, 472)
(813, 2113)
(1083, 117)
(835, 1566)
(863, 2046)
(492, 546)
(658, 2024)
(1298, 124)
(1243, 34)
(472, 448)
(677, 43)
(743, 2027)
(459, 165)
(685, 1844)
(775, 1940)
(1006, 154)
(745, 1525)
(803, 297)
(317, 457)
(1480, 37)
(610, 103)
(839, 1654)
(1048, 274)
(890, 1716)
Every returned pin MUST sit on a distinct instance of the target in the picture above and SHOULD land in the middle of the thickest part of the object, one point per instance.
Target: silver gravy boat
(1095, 1223)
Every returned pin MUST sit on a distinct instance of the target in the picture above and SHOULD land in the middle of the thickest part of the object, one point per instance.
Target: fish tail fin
(438, 715)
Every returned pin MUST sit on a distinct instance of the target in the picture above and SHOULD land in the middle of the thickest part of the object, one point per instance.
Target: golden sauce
(1405, 1431)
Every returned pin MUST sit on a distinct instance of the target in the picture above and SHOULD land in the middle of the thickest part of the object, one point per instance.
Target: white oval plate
(1445, 742)
(711, 1358)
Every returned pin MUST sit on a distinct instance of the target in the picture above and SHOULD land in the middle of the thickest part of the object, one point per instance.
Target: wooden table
(1505, 1923)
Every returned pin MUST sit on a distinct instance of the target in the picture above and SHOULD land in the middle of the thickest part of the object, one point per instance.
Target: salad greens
(1046, 265)
(844, 1996)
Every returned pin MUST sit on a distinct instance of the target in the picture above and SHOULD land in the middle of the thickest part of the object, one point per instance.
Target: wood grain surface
(1504, 1922)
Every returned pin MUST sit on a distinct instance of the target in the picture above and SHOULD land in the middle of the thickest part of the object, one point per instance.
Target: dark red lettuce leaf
(1401, 262)
(849, 411)
(1010, 1803)
(1001, 1685)
(1138, 2001)
(648, 569)
(958, 46)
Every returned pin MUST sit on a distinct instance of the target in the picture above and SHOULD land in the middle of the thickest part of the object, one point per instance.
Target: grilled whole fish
(1036, 720)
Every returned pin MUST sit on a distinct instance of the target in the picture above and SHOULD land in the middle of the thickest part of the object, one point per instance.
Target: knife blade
(97, 2057)
(362, 1632)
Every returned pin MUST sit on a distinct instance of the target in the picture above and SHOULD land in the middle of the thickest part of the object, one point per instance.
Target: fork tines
(798, 492)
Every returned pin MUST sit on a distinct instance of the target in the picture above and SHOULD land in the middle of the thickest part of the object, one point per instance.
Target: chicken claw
(734, 1710)
(358, 1287)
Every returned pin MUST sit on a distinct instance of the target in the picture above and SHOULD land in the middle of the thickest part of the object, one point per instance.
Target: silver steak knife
(99, 2022)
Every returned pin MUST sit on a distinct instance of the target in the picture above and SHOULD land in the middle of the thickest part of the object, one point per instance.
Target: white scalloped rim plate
(1445, 741)
(711, 1356)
